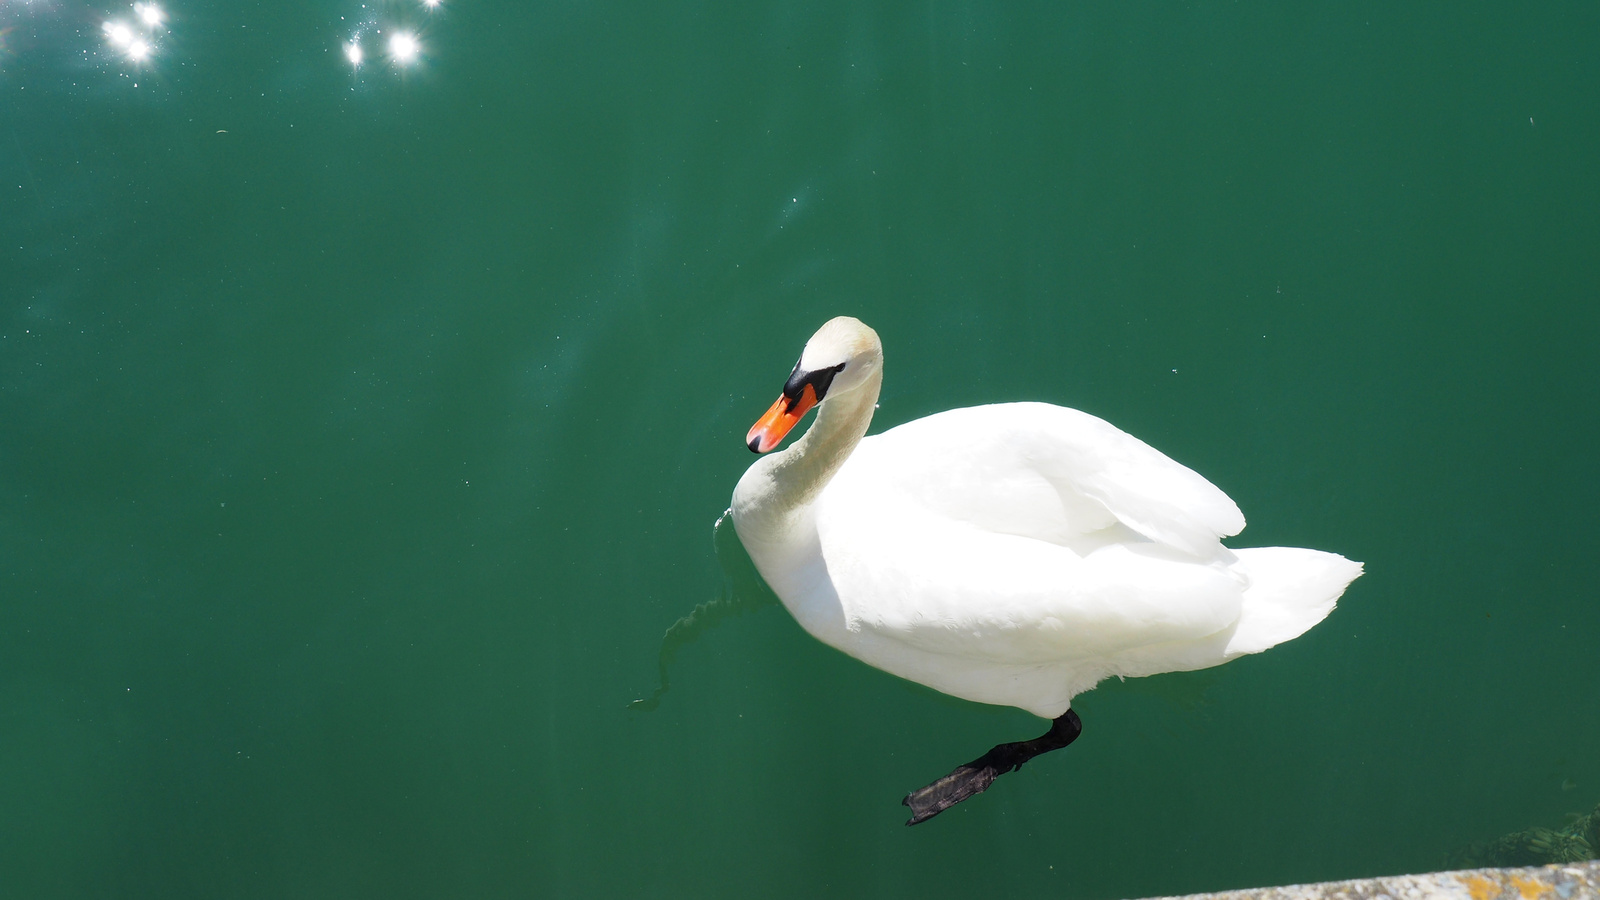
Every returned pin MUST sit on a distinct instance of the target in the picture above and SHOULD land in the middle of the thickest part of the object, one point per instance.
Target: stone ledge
(1564, 881)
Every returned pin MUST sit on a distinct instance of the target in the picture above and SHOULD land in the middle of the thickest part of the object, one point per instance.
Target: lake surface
(362, 428)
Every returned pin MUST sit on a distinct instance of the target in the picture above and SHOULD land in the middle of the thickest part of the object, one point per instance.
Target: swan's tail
(1290, 590)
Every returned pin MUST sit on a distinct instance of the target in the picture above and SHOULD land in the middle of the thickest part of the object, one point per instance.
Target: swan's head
(842, 356)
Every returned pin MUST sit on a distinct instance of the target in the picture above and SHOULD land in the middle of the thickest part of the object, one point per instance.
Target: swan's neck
(784, 485)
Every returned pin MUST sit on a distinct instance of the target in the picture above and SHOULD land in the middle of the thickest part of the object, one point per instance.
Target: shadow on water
(742, 591)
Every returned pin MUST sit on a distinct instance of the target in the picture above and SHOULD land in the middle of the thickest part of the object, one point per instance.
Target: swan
(1014, 554)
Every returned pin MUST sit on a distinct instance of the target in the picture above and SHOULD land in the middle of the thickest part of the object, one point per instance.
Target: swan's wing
(1026, 533)
(959, 591)
(1047, 472)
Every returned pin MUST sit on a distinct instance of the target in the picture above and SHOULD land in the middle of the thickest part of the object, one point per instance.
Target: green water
(362, 429)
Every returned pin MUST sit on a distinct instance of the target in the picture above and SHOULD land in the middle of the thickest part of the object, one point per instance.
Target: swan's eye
(819, 379)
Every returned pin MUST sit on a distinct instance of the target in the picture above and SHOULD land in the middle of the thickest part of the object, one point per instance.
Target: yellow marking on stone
(1481, 888)
(1530, 888)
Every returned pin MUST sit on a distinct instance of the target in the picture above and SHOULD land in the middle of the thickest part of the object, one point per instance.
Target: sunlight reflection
(403, 47)
(381, 31)
(134, 45)
(119, 34)
(150, 14)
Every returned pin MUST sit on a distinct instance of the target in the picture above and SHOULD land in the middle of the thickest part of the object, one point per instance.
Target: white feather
(1013, 554)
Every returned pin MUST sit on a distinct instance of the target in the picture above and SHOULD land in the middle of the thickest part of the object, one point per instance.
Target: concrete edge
(1562, 881)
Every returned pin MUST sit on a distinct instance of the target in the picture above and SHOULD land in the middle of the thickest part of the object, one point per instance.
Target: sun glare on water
(136, 42)
(403, 48)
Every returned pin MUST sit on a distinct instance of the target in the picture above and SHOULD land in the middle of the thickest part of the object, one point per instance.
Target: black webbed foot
(975, 777)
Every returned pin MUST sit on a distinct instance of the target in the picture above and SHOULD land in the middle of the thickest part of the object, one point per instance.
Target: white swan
(1014, 554)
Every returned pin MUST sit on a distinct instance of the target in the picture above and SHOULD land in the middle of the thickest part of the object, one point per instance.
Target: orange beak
(769, 430)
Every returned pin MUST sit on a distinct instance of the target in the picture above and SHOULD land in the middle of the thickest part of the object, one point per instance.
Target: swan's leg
(976, 776)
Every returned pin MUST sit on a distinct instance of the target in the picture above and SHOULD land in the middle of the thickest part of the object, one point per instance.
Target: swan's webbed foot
(976, 776)
(966, 781)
